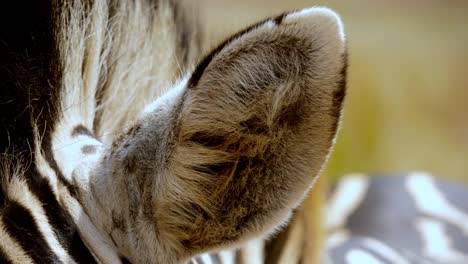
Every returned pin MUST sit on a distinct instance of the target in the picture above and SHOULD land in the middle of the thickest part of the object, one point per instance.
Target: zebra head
(222, 157)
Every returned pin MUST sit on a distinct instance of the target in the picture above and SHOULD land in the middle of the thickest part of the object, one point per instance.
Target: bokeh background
(407, 98)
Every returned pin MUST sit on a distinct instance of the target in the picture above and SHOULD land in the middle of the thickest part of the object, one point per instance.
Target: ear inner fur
(261, 108)
(227, 154)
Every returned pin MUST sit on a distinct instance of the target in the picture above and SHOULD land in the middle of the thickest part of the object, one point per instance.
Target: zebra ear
(255, 125)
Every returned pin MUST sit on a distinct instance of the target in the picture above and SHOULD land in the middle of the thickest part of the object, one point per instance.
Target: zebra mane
(107, 48)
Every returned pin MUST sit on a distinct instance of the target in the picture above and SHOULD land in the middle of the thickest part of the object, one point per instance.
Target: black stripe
(28, 70)
(49, 157)
(60, 220)
(201, 67)
(78, 250)
(82, 130)
(274, 247)
(239, 257)
(124, 260)
(199, 260)
(384, 209)
(339, 94)
(3, 257)
(30, 73)
(186, 38)
(279, 19)
(215, 258)
(88, 149)
(376, 255)
(29, 76)
(20, 225)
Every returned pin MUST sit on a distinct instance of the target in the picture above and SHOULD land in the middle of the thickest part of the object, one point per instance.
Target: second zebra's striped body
(410, 219)
(377, 219)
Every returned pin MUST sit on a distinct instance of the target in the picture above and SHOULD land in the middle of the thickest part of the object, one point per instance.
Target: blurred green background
(407, 98)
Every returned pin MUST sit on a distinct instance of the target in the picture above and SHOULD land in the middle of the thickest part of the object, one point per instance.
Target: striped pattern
(46, 124)
(380, 219)
(408, 219)
(52, 133)
(42, 222)
(30, 229)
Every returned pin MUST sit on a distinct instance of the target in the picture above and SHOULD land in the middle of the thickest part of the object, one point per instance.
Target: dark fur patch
(255, 125)
(124, 260)
(82, 130)
(28, 72)
(88, 149)
(203, 64)
(130, 164)
(279, 19)
(291, 116)
(118, 222)
(4, 258)
(207, 140)
(339, 94)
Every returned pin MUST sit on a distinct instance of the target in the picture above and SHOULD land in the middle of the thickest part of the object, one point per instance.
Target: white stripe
(42, 165)
(336, 238)
(292, 250)
(167, 99)
(431, 201)
(206, 259)
(253, 251)
(356, 256)
(437, 244)
(349, 194)
(227, 256)
(384, 250)
(67, 150)
(19, 192)
(100, 245)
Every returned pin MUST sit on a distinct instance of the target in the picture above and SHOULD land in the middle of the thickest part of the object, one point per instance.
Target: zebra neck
(112, 201)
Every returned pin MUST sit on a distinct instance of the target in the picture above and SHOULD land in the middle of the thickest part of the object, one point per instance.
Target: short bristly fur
(223, 157)
(228, 155)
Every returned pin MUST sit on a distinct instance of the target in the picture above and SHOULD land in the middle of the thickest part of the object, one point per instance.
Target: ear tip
(322, 16)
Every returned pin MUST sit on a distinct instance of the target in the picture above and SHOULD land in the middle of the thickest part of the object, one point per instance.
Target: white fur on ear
(329, 21)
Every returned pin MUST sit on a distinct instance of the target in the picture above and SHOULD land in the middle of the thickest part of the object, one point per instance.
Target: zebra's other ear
(254, 127)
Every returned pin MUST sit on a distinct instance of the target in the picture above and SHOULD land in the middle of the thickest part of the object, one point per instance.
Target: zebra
(375, 219)
(116, 149)
(413, 218)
